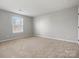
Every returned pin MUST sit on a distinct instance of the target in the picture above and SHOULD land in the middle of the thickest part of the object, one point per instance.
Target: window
(17, 24)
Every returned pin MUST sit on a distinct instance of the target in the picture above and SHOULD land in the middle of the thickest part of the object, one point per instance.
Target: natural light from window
(17, 24)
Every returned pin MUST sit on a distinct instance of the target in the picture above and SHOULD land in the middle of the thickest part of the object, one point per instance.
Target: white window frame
(17, 24)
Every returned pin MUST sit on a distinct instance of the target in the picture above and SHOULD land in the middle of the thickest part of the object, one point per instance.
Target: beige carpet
(38, 47)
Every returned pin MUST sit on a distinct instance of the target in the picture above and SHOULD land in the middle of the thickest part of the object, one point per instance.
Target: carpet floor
(37, 47)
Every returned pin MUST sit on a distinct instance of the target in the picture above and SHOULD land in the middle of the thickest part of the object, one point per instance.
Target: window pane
(17, 24)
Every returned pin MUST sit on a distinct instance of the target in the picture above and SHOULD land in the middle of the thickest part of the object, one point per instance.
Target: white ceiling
(36, 7)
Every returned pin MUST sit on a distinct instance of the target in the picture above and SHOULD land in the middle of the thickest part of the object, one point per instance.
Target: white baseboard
(40, 36)
(57, 39)
(14, 38)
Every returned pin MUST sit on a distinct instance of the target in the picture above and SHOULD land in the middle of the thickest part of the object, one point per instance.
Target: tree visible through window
(17, 24)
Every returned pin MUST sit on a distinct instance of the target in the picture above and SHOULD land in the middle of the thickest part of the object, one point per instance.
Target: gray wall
(6, 26)
(58, 25)
(78, 23)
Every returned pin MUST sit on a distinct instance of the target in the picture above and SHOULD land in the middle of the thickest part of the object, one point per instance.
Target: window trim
(14, 18)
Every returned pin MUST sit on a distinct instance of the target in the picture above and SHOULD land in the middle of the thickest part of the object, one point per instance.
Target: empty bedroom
(39, 28)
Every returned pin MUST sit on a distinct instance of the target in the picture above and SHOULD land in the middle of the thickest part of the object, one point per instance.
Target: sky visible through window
(17, 24)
